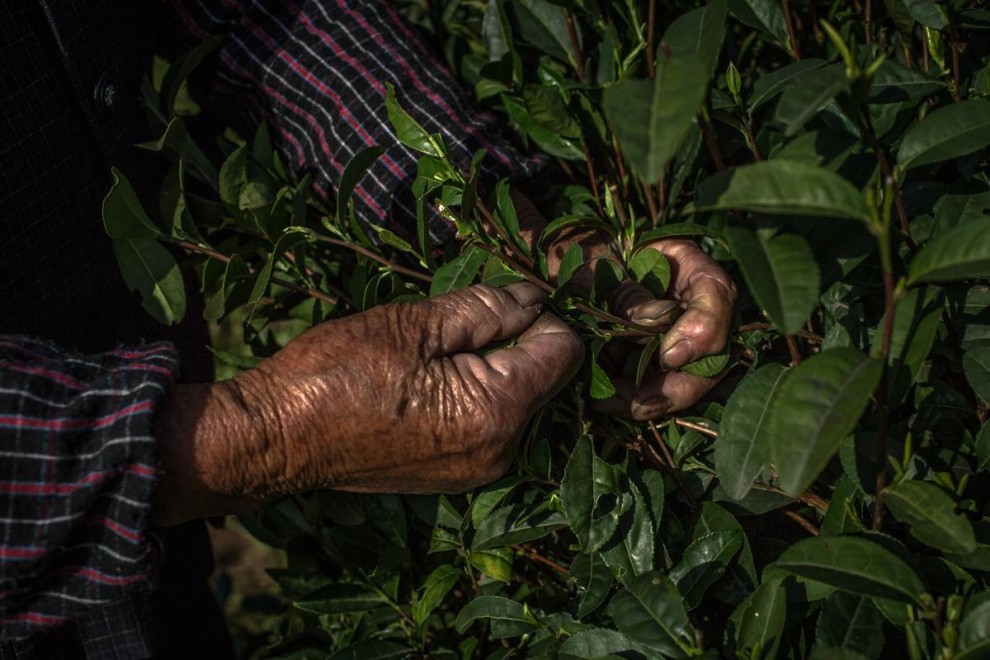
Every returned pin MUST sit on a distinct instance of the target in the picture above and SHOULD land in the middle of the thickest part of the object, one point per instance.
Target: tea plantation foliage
(830, 499)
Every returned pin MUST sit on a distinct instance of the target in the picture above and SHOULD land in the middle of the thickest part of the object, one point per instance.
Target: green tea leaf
(179, 72)
(571, 262)
(596, 643)
(700, 32)
(782, 187)
(770, 85)
(542, 24)
(407, 130)
(962, 253)
(373, 649)
(514, 524)
(708, 366)
(760, 619)
(781, 273)
(340, 598)
(512, 616)
(594, 581)
(824, 398)
(496, 563)
(949, 132)
(650, 611)
(976, 365)
(177, 142)
(652, 117)
(926, 12)
(355, 170)
(587, 479)
(852, 623)
(631, 550)
(678, 229)
(763, 15)
(895, 83)
(807, 95)
(932, 516)
(854, 565)
(974, 634)
(743, 447)
(123, 214)
(704, 562)
(459, 272)
(149, 269)
(434, 590)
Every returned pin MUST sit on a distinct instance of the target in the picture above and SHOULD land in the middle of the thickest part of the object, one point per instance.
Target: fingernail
(526, 294)
(655, 310)
(651, 408)
(677, 355)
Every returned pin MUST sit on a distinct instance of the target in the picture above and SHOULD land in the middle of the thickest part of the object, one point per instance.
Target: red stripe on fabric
(117, 528)
(103, 578)
(314, 82)
(60, 378)
(189, 21)
(34, 618)
(324, 145)
(15, 552)
(51, 488)
(129, 354)
(74, 424)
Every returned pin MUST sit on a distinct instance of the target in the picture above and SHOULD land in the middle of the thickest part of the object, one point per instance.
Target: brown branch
(711, 144)
(360, 249)
(592, 175)
(869, 22)
(805, 334)
(489, 220)
(537, 557)
(793, 515)
(651, 26)
(786, 7)
(700, 428)
(954, 46)
(575, 45)
(794, 350)
(807, 497)
(219, 256)
(672, 467)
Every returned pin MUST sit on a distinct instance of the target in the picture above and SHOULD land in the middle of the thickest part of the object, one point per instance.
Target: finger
(472, 318)
(542, 361)
(703, 329)
(633, 301)
(665, 392)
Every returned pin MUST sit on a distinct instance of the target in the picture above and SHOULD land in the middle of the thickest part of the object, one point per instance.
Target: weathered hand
(697, 284)
(396, 399)
(708, 295)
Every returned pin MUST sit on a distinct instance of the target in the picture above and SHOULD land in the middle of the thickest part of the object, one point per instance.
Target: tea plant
(830, 498)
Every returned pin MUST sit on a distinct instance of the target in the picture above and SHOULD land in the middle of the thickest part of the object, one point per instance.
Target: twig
(592, 176)
(888, 174)
(807, 497)
(219, 256)
(700, 428)
(360, 249)
(489, 219)
(537, 557)
(631, 326)
(650, 203)
(786, 7)
(575, 45)
(793, 515)
(672, 467)
(954, 47)
(713, 150)
(805, 334)
(651, 24)
(793, 348)
(869, 22)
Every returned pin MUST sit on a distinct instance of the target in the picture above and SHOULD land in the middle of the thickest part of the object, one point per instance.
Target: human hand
(396, 399)
(698, 284)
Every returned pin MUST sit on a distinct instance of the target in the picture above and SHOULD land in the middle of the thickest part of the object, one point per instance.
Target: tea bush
(829, 499)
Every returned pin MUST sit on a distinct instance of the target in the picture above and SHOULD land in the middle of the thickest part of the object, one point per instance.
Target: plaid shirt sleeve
(317, 71)
(76, 477)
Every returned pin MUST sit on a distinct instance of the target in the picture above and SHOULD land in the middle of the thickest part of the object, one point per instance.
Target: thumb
(472, 318)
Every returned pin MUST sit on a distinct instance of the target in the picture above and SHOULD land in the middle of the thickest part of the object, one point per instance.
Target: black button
(105, 93)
